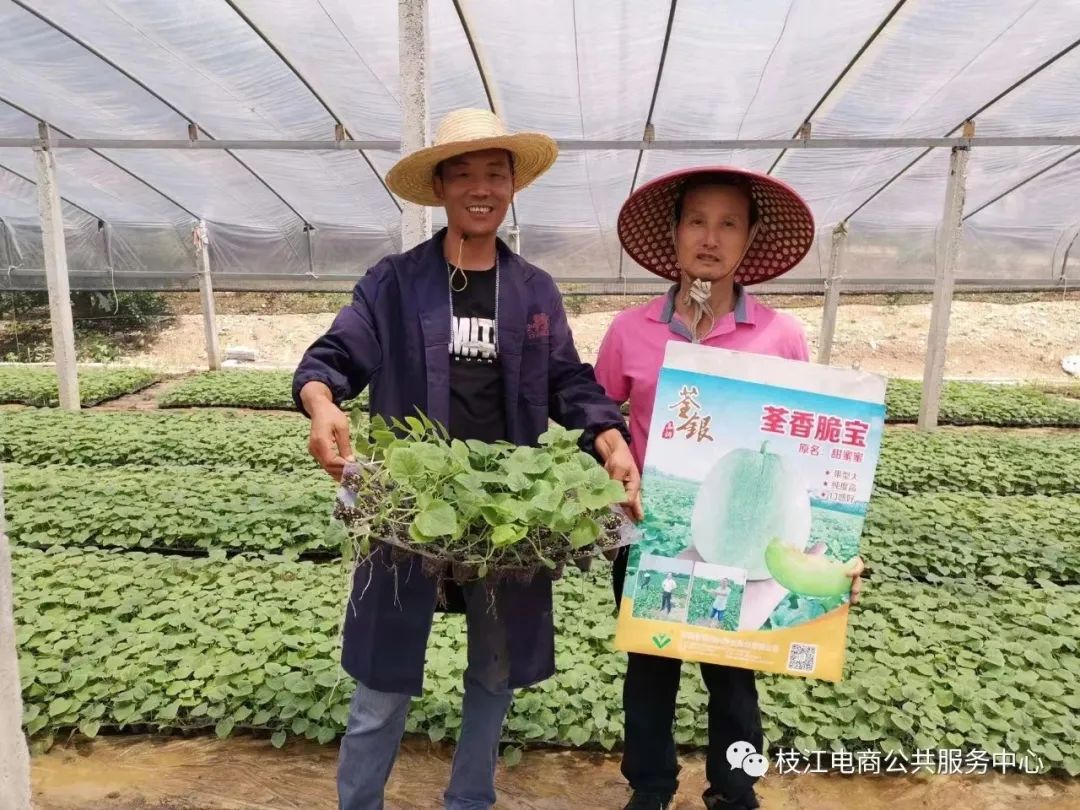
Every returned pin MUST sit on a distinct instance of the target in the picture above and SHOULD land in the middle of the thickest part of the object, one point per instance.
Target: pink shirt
(630, 357)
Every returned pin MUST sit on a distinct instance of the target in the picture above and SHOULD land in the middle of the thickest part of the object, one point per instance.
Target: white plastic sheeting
(746, 69)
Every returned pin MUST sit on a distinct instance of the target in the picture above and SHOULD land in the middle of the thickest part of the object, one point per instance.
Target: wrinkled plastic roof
(596, 70)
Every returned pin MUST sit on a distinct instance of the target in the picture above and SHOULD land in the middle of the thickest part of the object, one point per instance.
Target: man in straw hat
(711, 232)
(476, 338)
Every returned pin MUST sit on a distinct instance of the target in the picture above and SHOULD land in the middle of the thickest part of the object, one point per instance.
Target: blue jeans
(377, 722)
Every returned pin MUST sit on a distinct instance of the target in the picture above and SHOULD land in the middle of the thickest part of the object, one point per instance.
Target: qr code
(802, 657)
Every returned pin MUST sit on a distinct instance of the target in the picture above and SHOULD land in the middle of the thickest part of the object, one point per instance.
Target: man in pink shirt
(710, 231)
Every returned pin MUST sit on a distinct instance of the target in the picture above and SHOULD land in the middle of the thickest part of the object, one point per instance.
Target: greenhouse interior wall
(301, 70)
(115, 114)
(940, 138)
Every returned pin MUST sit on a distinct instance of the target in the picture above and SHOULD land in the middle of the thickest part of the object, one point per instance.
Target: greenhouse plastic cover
(747, 69)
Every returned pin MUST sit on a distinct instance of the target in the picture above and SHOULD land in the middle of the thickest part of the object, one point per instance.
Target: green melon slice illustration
(745, 500)
(806, 574)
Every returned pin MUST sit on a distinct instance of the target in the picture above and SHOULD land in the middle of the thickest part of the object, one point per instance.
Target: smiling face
(476, 189)
(712, 230)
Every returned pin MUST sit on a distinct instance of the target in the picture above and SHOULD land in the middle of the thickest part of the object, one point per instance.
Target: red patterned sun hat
(784, 235)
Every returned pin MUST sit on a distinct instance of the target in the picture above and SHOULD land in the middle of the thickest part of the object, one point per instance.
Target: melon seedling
(806, 574)
(745, 500)
(474, 507)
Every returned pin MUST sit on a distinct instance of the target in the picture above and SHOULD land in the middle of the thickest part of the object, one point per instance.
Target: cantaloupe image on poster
(746, 499)
(806, 574)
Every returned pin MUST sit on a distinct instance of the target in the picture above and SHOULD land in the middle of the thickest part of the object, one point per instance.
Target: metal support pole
(309, 237)
(832, 294)
(14, 758)
(8, 253)
(56, 273)
(948, 255)
(1065, 256)
(565, 144)
(106, 241)
(206, 293)
(515, 239)
(413, 55)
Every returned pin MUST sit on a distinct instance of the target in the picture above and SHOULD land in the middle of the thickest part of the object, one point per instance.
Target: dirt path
(144, 400)
(133, 773)
(1021, 341)
(986, 341)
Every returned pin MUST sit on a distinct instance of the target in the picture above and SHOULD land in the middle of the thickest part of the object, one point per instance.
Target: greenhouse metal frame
(243, 144)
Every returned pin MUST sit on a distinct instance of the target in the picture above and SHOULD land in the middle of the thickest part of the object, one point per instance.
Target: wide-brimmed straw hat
(783, 236)
(464, 131)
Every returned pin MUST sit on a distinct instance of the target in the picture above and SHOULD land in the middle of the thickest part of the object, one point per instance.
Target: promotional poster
(757, 479)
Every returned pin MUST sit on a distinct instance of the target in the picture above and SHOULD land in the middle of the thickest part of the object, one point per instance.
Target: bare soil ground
(133, 773)
(1006, 339)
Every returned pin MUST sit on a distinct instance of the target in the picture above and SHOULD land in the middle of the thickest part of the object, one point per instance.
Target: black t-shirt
(477, 409)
